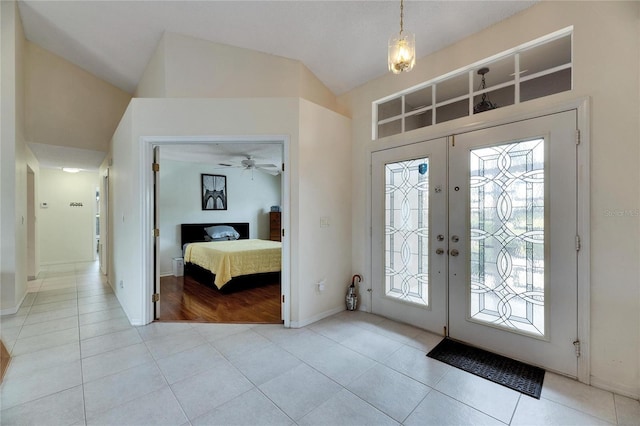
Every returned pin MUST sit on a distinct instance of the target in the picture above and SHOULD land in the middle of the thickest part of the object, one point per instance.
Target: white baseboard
(315, 318)
(616, 388)
(13, 309)
(64, 262)
(133, 321)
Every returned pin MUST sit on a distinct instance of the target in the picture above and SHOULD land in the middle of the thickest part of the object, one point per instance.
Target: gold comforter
(229, 259)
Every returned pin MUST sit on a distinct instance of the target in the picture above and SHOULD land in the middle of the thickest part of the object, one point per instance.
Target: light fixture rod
(401, 17)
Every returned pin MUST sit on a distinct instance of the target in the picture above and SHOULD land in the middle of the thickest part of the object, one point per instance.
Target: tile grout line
(84, 398)
(515, 409)
(416, 407)
(155, 361)
(43, 396)
(581, 410)
(376, 363)
(256, 387)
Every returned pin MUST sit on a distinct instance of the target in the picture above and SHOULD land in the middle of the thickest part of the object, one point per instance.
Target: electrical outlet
(121, 284)
(321, 285)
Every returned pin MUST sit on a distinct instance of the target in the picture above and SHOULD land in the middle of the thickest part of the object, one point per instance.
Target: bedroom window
(533, 70)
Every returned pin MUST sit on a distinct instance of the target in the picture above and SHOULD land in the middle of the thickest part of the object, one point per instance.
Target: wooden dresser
(274, 226)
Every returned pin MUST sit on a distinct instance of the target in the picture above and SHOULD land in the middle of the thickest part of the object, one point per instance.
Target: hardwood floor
(185, 299)
(5, 358)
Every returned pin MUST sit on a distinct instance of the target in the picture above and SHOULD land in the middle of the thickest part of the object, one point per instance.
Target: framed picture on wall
(214, 192)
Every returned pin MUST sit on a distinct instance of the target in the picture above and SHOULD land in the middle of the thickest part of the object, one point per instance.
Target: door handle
(454, 252)
(439, 251)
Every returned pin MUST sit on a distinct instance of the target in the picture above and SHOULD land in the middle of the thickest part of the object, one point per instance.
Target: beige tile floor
(77, 360)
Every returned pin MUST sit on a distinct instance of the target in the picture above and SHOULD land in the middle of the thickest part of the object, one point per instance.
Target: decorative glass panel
(507, 236)
(407, 231)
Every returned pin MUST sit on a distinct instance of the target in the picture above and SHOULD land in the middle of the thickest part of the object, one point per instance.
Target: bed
(229, 264)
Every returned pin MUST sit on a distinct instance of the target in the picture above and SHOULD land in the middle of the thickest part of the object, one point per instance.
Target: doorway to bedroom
(218, 249)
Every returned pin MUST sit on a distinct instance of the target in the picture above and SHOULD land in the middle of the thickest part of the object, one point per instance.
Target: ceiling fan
(250, 164)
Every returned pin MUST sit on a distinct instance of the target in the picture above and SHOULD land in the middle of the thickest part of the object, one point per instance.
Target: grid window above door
(533, 70)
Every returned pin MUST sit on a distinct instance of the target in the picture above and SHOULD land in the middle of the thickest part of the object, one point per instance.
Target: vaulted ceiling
(344, 43)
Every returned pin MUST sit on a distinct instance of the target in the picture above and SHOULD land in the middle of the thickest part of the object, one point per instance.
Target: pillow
(222, 232)
(208, 239)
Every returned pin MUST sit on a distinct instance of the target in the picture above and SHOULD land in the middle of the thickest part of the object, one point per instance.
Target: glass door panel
(408, 215)
(407, 231)
(506, 258)
(513, 261)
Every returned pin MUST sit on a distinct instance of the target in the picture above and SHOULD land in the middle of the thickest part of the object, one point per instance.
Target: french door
(496, 262)
(409, 225)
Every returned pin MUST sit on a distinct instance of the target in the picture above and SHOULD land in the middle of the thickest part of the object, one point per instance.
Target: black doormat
(513, 374)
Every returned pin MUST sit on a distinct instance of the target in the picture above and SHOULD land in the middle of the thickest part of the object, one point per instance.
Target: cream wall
(322, 189)
(191, 67)
(120, 256)
(606, 68)
(250, 196)
(67, 233)
(229, 117)
(188, 67)
(13, 160)
(68, 106)
(152, 84)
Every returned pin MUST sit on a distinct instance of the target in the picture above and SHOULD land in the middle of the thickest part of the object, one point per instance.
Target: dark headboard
(194, 232)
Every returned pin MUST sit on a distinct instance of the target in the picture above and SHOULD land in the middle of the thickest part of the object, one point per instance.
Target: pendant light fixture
(485, 104)
(402, 48)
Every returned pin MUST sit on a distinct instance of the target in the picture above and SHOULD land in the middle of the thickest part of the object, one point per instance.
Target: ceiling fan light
(402, 52)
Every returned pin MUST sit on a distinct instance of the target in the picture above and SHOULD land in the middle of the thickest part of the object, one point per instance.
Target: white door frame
(32, 267)
(147, 143)
(104, 224)
(582, 107)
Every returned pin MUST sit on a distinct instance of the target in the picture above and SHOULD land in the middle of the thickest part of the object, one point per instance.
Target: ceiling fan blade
(271, 172)
(266, 165)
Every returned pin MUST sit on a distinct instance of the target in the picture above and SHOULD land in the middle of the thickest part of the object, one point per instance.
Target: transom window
(536, 69)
